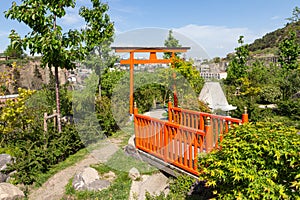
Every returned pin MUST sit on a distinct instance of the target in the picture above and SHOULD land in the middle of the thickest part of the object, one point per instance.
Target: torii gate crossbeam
(152, 59)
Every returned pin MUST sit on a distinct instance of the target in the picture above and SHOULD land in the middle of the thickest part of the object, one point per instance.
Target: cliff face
(28, 75)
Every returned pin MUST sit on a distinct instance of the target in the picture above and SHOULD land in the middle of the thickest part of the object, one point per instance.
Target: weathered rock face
(89, 179)
(10, 192)
(4, 160)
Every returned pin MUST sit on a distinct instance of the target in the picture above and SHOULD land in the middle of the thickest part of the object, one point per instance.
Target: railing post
(169, 110)
(137, 137)
(135, 110)
(245, 116)
(209, 135)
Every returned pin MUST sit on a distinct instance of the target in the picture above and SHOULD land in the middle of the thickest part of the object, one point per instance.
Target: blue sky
(213, 24)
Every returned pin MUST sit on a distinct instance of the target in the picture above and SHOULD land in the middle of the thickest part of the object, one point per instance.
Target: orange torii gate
(152, 59)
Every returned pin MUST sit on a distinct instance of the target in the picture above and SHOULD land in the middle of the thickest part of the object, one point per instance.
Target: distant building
(210, 76)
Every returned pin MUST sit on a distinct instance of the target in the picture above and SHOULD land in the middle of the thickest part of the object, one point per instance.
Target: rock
(10, 192)
(155, 184)
(134, 174)
(110, 176)
(98, 185)
(89, 179)
(131, 140)
(130, 150)
(4, 160)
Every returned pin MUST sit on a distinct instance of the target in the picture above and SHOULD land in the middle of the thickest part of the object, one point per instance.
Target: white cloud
(70, 19)
(275, 17)
(218, 40)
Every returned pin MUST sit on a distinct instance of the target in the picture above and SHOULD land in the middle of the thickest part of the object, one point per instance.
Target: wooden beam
(151, 49)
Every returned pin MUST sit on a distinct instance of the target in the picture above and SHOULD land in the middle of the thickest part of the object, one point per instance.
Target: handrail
(173, 143)
(180, 140)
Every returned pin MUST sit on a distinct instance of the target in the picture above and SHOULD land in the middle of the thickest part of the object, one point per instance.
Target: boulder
(10, 192)
(130, 150)
(88, 179)
(4, 160)
(134, 174)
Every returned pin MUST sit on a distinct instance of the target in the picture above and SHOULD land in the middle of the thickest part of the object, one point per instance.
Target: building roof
(213, 95)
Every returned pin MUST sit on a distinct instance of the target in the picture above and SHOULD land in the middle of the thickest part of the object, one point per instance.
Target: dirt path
(54, 188)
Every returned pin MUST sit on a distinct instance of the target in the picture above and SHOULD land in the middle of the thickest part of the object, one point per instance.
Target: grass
(78, 156)
(119, 189)
(120, 164)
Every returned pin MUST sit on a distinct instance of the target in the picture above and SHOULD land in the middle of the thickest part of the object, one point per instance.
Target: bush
(290, 108)
(23, 137)
(39, 152)
(257, 161)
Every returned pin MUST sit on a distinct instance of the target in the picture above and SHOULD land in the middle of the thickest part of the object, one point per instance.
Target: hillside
(270, 41)
(29, 74)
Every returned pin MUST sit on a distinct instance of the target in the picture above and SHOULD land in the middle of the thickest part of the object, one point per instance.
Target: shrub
(257, 161)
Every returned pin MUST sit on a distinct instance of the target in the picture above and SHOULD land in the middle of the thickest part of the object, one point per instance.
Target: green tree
(171, 41)
(187, 80)
(100, 59)
(289, 50)
(59, 49)
(295, 15)
(238, 66)
(14, 49)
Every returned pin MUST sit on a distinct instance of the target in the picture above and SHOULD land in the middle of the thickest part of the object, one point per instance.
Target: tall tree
(99, 59)
(60, 49)
(289, 50)
(238, 66)
(295, 15)
(13, 50)
(171, 41)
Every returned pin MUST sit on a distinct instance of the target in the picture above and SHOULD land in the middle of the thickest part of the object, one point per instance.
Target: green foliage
(35, 151)
(182, 185)
(295, 15)
(47, 38)
(289, 108)
(58, 48)
(109, 81)
(15, 117)
(270, 41)
(289, 50)
(104, 114)
(14, 50)
(238, 66)
(171, 41)
(257, 161)
(289, 83)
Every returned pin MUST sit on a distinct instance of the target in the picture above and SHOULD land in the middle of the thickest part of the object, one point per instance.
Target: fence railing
(174, 144)
(218, 125)
(180, 140)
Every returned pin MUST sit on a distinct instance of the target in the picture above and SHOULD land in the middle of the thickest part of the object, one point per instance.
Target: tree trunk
(57, 99)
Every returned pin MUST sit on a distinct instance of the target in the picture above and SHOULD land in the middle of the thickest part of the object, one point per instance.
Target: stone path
(54, 188)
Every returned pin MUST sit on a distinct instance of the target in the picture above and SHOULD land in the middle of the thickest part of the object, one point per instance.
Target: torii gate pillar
(152, 59)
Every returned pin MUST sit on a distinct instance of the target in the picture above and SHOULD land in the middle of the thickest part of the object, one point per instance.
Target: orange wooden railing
(174, 144)
(217, 124)
(180, 140)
